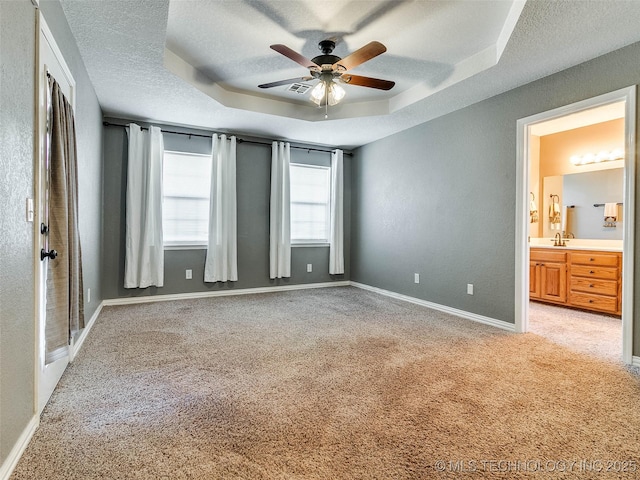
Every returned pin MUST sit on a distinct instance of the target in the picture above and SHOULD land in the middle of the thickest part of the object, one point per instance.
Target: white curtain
(336, 249)
(144, 255)
(221, 264)
(280, 226)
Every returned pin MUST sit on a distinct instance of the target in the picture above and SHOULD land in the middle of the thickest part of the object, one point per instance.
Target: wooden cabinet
(553, 281)
(548, 275)
(589, 280)
(534, 280)
(595, 281)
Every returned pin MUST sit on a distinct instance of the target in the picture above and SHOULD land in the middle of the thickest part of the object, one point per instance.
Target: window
(186, 181)
(310, 208)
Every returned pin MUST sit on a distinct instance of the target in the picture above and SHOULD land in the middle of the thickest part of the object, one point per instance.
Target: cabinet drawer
(602, 259)
(594, 272)
(595, 302)
(592, 285)
(546, 255)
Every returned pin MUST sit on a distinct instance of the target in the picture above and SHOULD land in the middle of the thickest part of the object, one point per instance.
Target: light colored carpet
(333, 383)
(585, 332)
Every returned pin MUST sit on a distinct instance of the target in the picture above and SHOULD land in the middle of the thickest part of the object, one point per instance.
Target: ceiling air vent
(299, 88)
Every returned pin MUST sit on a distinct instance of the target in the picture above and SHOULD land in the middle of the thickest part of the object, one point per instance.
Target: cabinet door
(534, 280)
(553, 281)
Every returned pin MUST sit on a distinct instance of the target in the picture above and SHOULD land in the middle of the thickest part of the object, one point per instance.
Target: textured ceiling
(439, 44)
(123, 46)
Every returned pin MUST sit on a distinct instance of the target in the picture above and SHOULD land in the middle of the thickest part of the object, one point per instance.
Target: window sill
(185, 247)
(310, 244)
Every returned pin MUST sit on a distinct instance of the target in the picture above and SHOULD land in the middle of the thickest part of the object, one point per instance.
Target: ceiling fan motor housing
(326, 59)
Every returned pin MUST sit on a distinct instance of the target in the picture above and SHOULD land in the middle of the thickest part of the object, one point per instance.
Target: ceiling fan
(330, 69)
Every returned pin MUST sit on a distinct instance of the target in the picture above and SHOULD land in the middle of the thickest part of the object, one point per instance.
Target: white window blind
(310, 203)
(186, 180)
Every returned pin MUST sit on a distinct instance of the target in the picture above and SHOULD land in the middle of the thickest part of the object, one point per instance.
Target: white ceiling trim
(509, 26)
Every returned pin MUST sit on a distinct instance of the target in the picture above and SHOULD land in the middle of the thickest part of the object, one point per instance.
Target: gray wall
(439, 199)
(253, 184)
(17, 124)
(17, 34)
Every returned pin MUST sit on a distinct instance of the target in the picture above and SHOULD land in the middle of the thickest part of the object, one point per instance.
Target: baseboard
(221, 293)
(442, 308)
(7, 467)
(77, 345)
(635, 361)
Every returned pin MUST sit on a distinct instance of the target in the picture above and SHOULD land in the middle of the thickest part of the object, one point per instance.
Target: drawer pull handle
(590, 301)
(591, 271)
(591, 286)
(591, 259)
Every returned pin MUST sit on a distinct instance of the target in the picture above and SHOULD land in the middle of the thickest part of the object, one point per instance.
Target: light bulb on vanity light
(617, 154)
(602, 156)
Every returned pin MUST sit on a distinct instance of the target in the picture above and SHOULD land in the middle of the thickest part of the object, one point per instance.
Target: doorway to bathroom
(575, 217)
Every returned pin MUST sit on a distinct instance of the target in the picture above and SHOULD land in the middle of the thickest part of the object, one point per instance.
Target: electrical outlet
(416, 278)
(188, 274)
(469, 288)
(309, 267)
(88, 295)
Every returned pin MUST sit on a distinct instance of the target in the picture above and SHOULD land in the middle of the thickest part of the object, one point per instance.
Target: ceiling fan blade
(367, 82)
(285, 82)
(370, 50)
(295, 56)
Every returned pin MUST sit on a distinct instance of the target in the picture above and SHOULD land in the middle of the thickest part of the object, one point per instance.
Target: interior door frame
(41, 85)
(627, 95)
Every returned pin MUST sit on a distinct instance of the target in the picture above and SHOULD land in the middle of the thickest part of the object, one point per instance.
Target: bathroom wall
(535, 184)
(556, 149)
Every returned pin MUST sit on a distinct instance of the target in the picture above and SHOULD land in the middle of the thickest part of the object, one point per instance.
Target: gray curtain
(65, 302)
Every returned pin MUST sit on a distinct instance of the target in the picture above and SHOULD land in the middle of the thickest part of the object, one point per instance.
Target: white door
(50, 60)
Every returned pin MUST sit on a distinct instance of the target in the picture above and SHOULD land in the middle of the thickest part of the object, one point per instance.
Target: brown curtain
(65, 302)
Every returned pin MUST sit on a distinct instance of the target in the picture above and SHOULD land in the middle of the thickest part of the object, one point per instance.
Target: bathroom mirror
(579, 192)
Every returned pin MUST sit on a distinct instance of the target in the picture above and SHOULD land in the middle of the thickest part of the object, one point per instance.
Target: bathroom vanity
(585, 278)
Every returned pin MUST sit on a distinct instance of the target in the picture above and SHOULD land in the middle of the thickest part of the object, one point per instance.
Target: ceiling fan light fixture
(336, 93)
(327, 92)
(318, 92)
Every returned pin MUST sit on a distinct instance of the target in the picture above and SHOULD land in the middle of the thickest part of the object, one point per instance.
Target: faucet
(559, 241)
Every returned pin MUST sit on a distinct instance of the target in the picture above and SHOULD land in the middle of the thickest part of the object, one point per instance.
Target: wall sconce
(603, 156)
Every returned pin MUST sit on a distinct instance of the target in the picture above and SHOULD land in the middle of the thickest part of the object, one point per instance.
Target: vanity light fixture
(603, 156)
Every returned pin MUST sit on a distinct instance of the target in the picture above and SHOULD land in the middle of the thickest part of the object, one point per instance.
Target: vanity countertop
(579, 244)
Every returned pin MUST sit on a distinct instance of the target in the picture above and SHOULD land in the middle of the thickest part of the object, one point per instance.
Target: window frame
(189, 244)
(313, 242)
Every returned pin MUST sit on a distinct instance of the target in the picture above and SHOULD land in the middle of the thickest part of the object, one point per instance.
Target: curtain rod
(240, 140)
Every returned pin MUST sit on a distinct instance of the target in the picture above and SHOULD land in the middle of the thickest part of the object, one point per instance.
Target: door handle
(52, 254)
